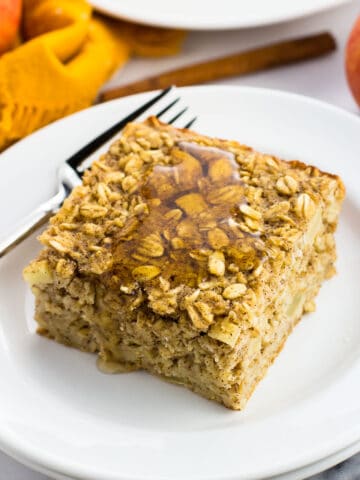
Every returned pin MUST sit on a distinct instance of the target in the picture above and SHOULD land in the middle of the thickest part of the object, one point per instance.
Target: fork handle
(32, 222)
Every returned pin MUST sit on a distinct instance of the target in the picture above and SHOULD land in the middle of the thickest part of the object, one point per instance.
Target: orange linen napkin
(67, 55)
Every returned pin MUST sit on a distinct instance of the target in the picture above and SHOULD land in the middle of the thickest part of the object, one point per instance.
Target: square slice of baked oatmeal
(187, 256)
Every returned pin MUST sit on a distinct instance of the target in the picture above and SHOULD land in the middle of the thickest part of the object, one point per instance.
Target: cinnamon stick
(261, 58)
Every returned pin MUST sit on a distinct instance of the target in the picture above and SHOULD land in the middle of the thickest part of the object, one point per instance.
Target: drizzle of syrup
(193, 207)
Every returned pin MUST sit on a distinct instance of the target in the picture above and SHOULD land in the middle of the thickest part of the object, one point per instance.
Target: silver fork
(167, 106)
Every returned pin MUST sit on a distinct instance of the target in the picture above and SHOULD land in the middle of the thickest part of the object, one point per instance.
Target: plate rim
(311, 469)
(105, 7)
(339, 111)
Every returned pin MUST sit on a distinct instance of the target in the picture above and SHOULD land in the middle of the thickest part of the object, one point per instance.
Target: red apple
(353, 61)
(10, 13)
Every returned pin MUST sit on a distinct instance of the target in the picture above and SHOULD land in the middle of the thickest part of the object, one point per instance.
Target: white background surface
(322, 78)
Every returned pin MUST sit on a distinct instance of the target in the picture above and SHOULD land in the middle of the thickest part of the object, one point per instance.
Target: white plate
(212, 15)
(59, 412)
(298, 474)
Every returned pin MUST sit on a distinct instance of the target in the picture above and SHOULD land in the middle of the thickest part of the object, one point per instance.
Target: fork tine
(75, 160)
(177, 116)
(164, 110)
(191, 122)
